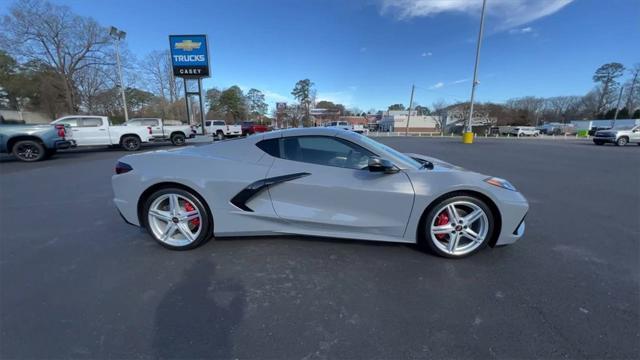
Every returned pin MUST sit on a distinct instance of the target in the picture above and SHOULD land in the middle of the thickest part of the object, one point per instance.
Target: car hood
(438, 165)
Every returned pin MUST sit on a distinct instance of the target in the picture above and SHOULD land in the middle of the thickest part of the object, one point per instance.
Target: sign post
(190, 60)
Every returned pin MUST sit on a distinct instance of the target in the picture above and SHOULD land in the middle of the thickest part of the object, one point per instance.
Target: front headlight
(500, 183)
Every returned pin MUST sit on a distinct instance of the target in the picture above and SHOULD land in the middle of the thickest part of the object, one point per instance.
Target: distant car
(34, 142)
(250, 128)
(595, 129)
(619, 135)
(339, 124)
(219, 129)
(524, 131)
(318, 182)
(95, 130)
(163, 130)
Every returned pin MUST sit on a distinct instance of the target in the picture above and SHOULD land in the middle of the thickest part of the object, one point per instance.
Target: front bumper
(610, 139)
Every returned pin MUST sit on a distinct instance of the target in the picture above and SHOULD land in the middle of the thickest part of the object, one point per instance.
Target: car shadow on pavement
(197, 315)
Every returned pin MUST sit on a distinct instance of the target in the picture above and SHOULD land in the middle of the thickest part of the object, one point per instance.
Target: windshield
(376, 145)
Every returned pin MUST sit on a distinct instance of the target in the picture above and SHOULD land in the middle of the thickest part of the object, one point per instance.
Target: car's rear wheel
(220, 135)
(458, 227)
(178, 139)
(130, 143)
(29, 150)
(177, 219)
(622, 141)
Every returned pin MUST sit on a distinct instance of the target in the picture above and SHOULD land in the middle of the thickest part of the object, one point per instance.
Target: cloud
(337, 97)
(461, 81)
(509, 13)
(437, 85)
(524, 30)
(424, 54)
(272, 96)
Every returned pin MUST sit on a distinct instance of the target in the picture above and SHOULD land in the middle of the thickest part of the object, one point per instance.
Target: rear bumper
(64, 144)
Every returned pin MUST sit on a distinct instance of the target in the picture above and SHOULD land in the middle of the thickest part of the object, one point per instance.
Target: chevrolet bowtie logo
(188, 45)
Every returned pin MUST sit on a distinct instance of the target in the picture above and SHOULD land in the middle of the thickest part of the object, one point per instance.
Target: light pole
(467, 137)
(118, 35)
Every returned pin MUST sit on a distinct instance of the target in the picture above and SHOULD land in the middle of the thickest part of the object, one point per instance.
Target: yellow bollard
(467, 138)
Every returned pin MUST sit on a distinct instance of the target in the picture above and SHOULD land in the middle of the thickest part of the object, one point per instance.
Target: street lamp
(467, 136)
(118, 35)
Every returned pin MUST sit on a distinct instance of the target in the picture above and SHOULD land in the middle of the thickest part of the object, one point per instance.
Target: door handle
(102, 129)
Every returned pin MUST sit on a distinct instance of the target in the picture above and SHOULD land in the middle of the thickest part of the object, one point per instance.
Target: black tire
(206, 222)
(178, 139)
(29, 150)
(425, 240)
(622, 141)
(598, 142)
(219, 135)
(130, 143)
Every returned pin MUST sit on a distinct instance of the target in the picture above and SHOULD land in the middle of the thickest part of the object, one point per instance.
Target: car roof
(310, 131)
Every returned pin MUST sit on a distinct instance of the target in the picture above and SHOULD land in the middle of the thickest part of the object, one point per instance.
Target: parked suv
(619, 135)
(524, 131)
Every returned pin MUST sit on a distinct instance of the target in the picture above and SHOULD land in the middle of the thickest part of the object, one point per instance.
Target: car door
(328, 189)
(91, 131)
(634, 137)
(155, 126)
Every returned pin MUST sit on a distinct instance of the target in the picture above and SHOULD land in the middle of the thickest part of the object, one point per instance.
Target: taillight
(122, 168)
(150, 131)
(61, 132)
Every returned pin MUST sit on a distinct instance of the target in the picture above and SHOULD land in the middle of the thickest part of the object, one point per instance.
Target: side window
(219, 123)
(73, 122)
(150, 123)
(325, 150)
(207, 123)
(270, 146)
(135, 122)
(90, 122)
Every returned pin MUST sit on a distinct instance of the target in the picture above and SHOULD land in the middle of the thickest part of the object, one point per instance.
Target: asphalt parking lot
(76, 281)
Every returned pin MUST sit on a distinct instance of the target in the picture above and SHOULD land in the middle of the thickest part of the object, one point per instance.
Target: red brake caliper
(188, 207)
(442, 219)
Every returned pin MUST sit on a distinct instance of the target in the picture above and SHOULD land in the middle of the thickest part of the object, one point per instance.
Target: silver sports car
(318, 182)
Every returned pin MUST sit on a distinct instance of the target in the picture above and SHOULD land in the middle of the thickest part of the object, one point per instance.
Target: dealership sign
(189, 55)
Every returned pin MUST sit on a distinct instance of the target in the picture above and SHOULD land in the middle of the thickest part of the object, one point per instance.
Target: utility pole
(615, 116)
(406, 129)
(467, 137)
(118, 35)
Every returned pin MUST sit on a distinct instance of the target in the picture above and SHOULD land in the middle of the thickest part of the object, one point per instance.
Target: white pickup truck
(92, 130)
(220, 129)
(163, 130)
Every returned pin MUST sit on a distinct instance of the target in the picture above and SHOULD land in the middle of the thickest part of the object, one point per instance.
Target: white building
(588, 124)
(396, 120)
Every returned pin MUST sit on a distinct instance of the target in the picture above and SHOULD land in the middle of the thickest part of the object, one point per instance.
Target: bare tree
(607, 76)
(439, 112)
(633, 89)
(54, 35)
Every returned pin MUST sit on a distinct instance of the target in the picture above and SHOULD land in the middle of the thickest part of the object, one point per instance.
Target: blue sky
(368, 53)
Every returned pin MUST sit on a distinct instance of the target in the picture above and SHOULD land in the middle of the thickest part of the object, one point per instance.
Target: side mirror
(381, 165)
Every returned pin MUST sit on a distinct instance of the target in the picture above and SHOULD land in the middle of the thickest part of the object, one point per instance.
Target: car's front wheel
(622, 141)
(458, 226)
(220, 135)
(177, 219)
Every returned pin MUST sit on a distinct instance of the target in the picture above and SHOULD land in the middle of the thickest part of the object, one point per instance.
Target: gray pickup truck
(34, 142)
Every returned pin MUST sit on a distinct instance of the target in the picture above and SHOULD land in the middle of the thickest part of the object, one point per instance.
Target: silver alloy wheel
(622, 141)
(172, 221)
(466, 228)
(220, 135)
